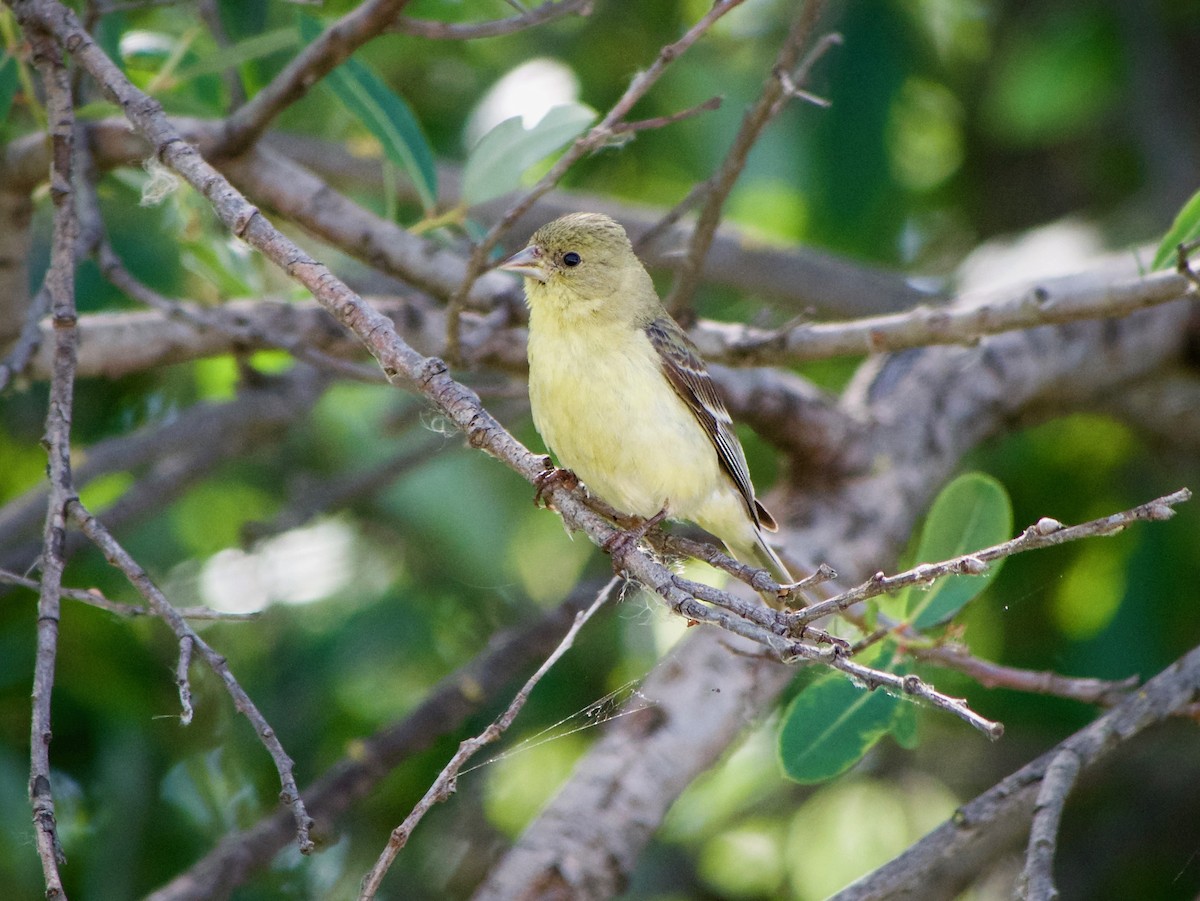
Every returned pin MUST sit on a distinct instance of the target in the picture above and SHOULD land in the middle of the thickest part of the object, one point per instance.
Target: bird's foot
(617, 544)
(552, 477)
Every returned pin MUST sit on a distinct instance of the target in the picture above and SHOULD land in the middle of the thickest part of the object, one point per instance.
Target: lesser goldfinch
(620, 394)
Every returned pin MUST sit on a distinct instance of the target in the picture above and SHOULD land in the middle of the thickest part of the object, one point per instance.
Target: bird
(620, 394)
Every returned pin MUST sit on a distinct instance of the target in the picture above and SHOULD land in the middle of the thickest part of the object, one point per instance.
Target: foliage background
(964, 139)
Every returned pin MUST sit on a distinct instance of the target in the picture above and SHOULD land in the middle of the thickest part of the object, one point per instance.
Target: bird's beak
(528, 263)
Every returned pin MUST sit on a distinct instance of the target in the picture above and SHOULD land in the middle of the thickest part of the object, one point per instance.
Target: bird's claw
(619, 543)
(552, 477)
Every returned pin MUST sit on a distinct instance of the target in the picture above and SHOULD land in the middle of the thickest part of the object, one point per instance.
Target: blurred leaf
(102, 491)
(243, 51)
(971, 513)
(503, 155)
(830, 725)
(1185, 228)
(9, 81)
(1058, 78)
(213, 793)
(98, 109)
(210, 517)
(385, 114)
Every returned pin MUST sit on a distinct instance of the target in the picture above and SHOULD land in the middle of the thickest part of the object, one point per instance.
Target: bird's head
(582, 262)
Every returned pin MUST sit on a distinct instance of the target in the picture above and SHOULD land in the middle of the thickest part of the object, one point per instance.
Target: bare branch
(1106, 692)
(468, 31)
(963, 322)
(333, 47)
(707, 106)
(597, 136)
(60, 288)
(113, 344)
(951, 855)
(120, 558)
(1037, 880)
(444, 785)
(716, 189)
(1045, 532)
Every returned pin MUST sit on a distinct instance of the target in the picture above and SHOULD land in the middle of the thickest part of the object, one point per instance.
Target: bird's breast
(604, 408)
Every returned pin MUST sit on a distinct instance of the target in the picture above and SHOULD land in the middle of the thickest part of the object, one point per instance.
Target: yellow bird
(619, 392)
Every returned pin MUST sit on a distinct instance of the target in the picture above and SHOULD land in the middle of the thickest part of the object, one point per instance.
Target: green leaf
(9, 82)
(971, 513)
(830, 725)
(1185, 228)
(505, 153)
(243, 51)
(385, 114)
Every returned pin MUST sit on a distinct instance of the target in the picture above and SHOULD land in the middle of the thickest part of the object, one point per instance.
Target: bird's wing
(687, 374)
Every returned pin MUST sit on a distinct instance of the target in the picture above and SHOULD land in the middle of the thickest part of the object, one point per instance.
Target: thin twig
(60, 286)
(469, 31)
(597, 136)
(93, 598)
(444, 709)
(1106, 692)
(444, 786)
(716, 189)
(330, 49)
(1046, 532)
(181, 679)
(121, 559)
(712, 103)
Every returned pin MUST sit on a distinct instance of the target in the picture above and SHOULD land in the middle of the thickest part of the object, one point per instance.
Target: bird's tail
(762, 554)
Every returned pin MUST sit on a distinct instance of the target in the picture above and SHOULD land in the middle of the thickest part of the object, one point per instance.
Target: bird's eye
(571, 258)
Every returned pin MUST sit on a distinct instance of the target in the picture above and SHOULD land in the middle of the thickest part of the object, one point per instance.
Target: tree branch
(120, 558)
(333, 47)
(444, 709)
(1050, 302)
(444, 785)
(716, 190)
(60, 289)
(1037, 880)
(469, 31)
(952, 855)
